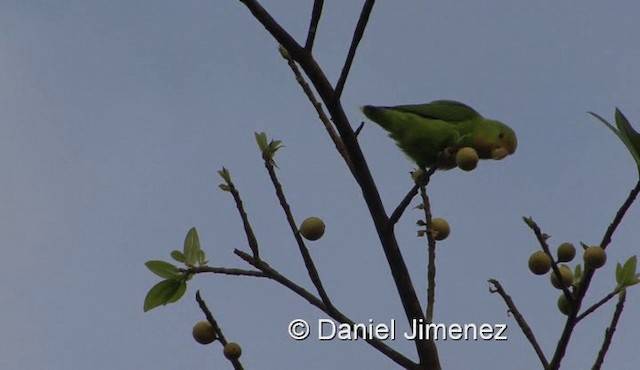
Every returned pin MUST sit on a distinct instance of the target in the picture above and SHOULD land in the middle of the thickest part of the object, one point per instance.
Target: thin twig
(334, 313)
(608, 336)
(203, 306)
(360, 127)
(357, 37)
(251, 238)
(397, 213)
(595, 306)
(561, 348)
(222, 271)
(313, 24)
(526, 329)
(431, 267)
(306, 256)
(318, 107)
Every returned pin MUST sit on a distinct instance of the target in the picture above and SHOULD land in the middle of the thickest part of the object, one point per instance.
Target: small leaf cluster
(626, 274)
(174, 285)
(268, 148)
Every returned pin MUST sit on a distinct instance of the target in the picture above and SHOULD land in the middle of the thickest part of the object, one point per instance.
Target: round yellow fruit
(566, 275)
(203, 332)
(594, 257)
(440, 228)
(566, 252)
(564, 305)
(312, 228)
(539, 263)
(467, 159)
(232, 351)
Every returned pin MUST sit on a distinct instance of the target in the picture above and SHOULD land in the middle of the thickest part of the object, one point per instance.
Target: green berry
(566, 252)
(566, 275)
(312, 228)
(232, 351)
(594, 257)
(203, 332)
(467, 159)
(539, 263)
(440, 228)
(564, 305)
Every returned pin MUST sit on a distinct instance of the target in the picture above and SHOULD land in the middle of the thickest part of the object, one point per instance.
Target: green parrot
(433, 132)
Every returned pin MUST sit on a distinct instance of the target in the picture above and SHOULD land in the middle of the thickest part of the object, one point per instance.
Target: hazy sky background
(116, 115)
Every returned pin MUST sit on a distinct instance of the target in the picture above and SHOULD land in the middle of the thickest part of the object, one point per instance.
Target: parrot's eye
(501, 135)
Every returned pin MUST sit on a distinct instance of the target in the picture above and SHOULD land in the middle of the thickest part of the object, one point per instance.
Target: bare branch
(222, 271)
(357, 37)
(203, 306)
(526, 329)
(431, 266)
(608, 336)
(595, 306)
(397, 213)
(306, 256)
(251, 238)
(313, 24)
(334, 313)
(318, 107)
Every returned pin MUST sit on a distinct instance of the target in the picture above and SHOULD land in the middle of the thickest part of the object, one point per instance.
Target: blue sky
(116, 116)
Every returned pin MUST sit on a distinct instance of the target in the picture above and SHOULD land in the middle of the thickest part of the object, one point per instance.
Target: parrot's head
(496, 141)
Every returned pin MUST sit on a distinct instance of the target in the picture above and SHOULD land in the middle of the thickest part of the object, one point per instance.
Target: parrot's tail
(378, 115)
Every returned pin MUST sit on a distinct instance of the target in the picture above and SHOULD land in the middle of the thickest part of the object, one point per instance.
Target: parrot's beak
(503, 151)
(499, 153)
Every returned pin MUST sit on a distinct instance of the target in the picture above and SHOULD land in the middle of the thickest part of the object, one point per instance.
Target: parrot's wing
(443, 110)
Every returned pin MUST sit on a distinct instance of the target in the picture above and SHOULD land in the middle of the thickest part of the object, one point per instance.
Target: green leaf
(202, 259)
(261, 139)
(191, 247)
(178, 256)
(619, 274)
(163, 269)
(629, 137)
(179, 292)
(584, 246)
(224, 173)
(166, 291)
(628, 276)
(224, 187)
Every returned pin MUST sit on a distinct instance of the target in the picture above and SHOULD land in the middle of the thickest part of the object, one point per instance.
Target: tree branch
(334, 313)
(318, 107)
(431, 265)
(306, 256)
(357, 37)
(203, 307)
(526, 329)
(397, 213)
(608, 336)
(222, 271)
(426, 349)
(313, 24)
(595, 306)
